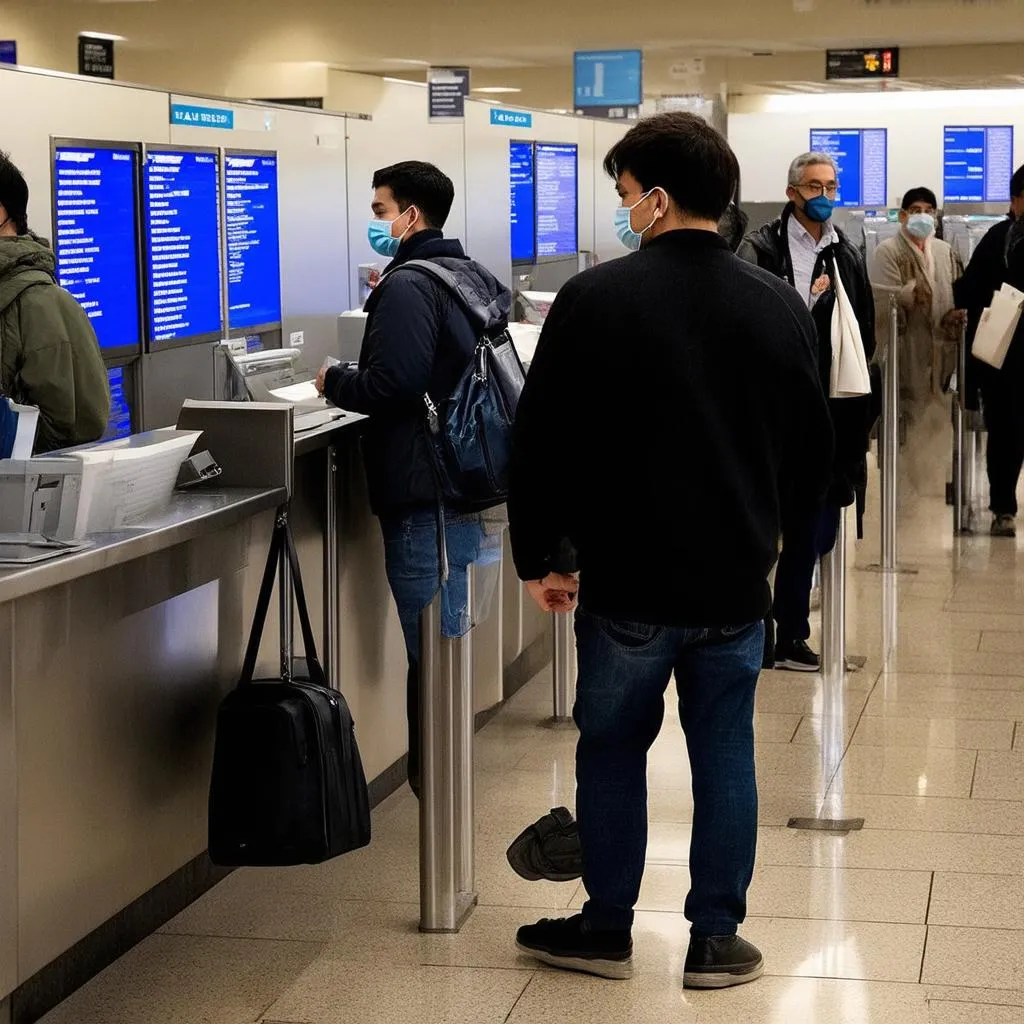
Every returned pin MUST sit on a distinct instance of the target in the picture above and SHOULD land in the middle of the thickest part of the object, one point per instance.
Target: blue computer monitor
(123, 421)
(522, 186)
(861, 154)
(557, 187)
(96, 237)
(977, 163)
(181, 207)
(253, 241)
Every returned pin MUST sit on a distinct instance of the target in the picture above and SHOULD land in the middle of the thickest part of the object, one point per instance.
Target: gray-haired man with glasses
(806, 249)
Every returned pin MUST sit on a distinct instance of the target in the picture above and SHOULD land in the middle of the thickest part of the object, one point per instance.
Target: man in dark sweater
(418, 341)
(805, 249)
(672, 412)
(999, 259)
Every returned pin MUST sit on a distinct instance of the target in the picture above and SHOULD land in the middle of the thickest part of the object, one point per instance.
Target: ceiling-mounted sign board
(878, 62)
(8, 51)
(447, 89)
(692, 67)
(95, 57)
(608, 83)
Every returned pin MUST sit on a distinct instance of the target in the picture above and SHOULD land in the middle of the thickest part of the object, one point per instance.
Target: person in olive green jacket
(49, 355)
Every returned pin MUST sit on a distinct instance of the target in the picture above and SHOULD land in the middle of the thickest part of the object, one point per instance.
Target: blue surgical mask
(381, 235)
(921, 225)
(624, 224)
(819, 209)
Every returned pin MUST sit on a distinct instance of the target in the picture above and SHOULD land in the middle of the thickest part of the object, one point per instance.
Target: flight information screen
(977, 164)
(120, 423)
(182, 204)
(861, 155)
(96, 238)
(556, 178)
(523, 188)
(253, 242)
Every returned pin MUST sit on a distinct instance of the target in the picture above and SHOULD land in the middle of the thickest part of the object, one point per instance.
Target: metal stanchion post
(564, 667)
(332, 646)
(446, 796)
(963, 455)
(889, 442)
(833, 608)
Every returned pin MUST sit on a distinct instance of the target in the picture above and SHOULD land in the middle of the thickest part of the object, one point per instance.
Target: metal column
(889, 442)
(332, 644)
(446, 798)
(833, 608)
(286, 602)
(963, 451)
(563, 667)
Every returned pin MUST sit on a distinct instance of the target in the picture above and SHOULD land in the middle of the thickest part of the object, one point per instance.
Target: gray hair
(801, 163)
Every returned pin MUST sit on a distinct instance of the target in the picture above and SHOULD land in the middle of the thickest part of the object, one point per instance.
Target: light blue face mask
(624, 223)
(921, 225)
(382, 241)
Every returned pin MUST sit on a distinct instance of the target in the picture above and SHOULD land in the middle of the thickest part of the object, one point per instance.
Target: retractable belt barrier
(564, 667)
(447, 832)
(833, 608)
(889, 440)
(963, 450)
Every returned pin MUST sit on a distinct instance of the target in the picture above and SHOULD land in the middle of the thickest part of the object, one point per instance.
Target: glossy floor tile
(918, 918)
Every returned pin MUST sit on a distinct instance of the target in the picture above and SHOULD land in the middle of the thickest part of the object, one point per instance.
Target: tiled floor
(917, 919)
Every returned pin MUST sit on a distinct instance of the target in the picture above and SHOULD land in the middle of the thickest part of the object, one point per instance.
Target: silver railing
(447, 828)
(889, 439)
(964, 455)
(564, 667)
(833, 608)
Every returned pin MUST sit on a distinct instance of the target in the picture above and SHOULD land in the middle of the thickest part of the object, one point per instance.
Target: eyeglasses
(817, 189)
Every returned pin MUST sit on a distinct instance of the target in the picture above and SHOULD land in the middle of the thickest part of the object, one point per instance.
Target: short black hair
(920, 195)
(683, 154)
(1017, 183)
(414, 183)
(14, 194)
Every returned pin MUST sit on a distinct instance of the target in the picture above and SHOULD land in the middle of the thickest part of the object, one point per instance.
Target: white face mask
(921, 225)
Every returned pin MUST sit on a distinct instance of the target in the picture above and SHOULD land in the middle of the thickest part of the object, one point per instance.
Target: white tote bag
(850, 377)
(997, 326)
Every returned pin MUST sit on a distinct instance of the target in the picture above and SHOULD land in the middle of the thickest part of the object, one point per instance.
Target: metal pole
(446, 796)
(961, 456)
(833, 608)
(564, 666)
(889, 442)
(332, 647)
(464, 721)
(437, 817)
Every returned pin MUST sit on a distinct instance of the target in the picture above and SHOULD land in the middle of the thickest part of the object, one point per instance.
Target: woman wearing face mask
(920, 270)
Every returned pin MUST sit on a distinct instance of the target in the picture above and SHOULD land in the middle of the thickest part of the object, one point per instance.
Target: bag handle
(282, 545)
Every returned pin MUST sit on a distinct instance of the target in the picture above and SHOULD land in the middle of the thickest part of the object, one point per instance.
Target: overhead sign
(977, 164)
(95, 57)
(511, 118)
(8, 51)
(186, 115)
(861, 154)
(881, 62)
(608, 79)
(447, 89)
(690, 68)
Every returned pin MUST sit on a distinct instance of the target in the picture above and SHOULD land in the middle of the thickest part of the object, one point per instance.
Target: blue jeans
(624, 670)
(412, 566)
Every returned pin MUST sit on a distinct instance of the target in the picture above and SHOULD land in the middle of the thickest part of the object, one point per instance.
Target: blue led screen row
(159, 261)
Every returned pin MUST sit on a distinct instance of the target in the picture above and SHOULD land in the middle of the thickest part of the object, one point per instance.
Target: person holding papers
(999, 260)
(49, 355)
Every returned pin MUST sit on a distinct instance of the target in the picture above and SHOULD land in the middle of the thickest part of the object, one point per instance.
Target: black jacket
(671, 411)
(991, 266)
(852, 418)
(417, 340)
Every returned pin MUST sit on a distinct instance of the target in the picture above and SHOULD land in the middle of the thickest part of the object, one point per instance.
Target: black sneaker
(549, 849)
(568, 943)
(1004, 526)
(721, 962)
(796, 656)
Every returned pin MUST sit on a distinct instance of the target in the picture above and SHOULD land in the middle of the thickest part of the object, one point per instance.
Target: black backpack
(288, 784)
(470, 432)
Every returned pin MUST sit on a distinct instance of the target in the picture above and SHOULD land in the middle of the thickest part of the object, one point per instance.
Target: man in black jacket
(681, 387)
(804, 248)
(998, 260)
(418, 342)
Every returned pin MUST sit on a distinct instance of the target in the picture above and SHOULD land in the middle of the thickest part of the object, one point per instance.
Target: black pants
(1004, 421)
(802, 545)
